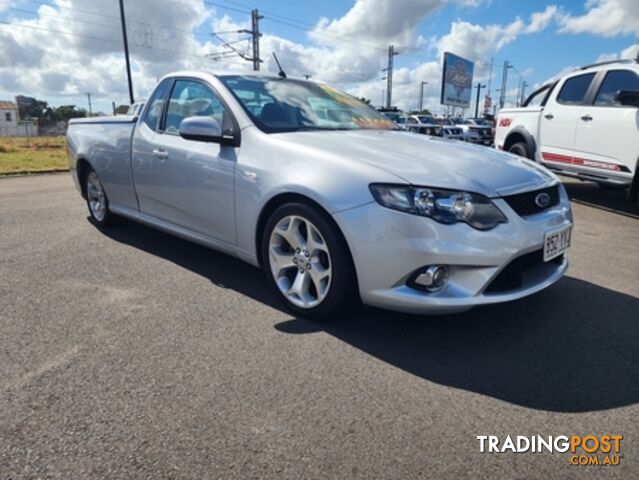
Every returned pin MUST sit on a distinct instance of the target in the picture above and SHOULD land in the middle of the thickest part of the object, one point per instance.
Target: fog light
(433, 278)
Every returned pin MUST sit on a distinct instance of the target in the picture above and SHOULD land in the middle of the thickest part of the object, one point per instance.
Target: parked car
(423, 124)
(584, 125)
(488, 127)
(450, 130)
(475, 132)
(333, 211)
(398, 117)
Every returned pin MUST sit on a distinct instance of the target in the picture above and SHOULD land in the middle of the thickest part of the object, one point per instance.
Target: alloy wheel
(96, 197)
(300, 261)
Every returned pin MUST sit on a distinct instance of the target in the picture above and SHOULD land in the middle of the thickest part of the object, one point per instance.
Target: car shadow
(592, 195)
(571, 348)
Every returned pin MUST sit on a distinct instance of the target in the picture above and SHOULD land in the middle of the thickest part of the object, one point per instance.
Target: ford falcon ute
(330, 198)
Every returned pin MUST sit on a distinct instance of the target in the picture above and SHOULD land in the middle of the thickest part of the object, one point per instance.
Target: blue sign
(457, 81)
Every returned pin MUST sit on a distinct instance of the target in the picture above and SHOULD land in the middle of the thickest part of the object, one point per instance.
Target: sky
(58, 50)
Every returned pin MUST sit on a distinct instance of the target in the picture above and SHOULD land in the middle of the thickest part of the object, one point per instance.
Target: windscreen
(286, 105)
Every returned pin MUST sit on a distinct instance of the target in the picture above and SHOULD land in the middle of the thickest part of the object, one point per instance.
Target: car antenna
(281, 73)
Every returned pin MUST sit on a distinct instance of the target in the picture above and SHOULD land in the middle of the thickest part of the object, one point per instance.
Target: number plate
(556, 242)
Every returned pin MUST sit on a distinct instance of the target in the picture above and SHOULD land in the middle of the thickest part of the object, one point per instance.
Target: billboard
(457, 81)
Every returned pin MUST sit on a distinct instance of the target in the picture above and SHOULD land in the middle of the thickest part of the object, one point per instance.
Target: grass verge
(32, 154)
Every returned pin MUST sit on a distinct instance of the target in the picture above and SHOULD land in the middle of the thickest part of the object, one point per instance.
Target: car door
(190, 183)
(607, 132)
(558, 123)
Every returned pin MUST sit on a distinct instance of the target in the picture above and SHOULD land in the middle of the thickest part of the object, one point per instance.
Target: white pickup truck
(584, 125)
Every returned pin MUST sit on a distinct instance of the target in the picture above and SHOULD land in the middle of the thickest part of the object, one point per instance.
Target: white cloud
(66, 51)
(540, 20)
(377, 22)
(606, 18)
(477, 42)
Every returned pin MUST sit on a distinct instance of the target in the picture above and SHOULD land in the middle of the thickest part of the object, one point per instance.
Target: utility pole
(255, 34)
(90, 109)
(389, 76)
(490, 76)
(479, 87)
(421, 96)
(504, 81)
(126, 52)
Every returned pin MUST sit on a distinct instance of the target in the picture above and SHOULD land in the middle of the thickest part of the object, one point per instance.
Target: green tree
(34, 109)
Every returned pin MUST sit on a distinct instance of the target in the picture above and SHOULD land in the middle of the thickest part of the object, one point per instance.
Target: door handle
(586, 118)
(549, 116)
(161, 154)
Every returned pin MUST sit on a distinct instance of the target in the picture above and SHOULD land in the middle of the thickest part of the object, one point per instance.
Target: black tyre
(307, 262)
(611, 186)
(519, 148)
(97, 200)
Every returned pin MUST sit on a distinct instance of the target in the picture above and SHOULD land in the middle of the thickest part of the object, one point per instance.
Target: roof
(609, 62)
(7, 105)
(224, 73)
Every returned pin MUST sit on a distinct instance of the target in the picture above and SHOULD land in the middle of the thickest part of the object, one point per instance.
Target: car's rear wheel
(307, 261)
(97, 201)
(519, 148)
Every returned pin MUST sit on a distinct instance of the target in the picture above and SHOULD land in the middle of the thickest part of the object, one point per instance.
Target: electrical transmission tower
(389, 76)
(504, 81)
(254, 39)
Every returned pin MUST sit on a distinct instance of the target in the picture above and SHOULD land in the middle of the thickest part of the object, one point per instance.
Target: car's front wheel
(519, 148)
(307, 261)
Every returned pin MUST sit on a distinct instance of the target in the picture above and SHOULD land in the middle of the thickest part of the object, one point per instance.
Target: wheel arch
(281, 199)
(82, 166)
(519, 134)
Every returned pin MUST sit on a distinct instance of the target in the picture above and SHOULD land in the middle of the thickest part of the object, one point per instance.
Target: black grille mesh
(524, 203)
(510, 278)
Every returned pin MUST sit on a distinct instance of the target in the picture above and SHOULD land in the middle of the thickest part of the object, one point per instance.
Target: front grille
(524, 203)
(510, 278)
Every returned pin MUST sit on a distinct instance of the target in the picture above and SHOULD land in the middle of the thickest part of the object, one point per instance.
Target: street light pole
(421, 95)
(126, 52)
(479, 87)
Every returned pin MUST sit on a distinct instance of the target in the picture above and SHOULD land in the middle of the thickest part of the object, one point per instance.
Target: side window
(616, 80)
(411, 120)
(156, 102)
(536, 98)
(191, 98)
(574, 89)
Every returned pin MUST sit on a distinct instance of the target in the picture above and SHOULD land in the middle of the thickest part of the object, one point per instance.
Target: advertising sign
(457, 81)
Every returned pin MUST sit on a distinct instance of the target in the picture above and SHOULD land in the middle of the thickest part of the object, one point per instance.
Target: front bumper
(389, 246)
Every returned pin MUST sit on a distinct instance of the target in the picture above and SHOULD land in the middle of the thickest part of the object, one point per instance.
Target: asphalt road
(127, 353)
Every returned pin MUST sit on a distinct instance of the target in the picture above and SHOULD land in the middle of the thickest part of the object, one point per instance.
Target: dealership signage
(457, 81)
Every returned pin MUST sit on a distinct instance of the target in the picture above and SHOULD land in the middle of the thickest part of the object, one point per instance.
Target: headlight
(443, 206)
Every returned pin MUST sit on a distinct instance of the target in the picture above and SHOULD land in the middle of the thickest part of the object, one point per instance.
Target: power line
(90, 37)
(104, 15)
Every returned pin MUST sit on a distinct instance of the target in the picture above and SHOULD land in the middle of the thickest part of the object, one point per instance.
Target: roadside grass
(32, 154)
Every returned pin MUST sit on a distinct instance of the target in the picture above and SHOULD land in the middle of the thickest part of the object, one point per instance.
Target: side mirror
(629, 98)
(205, 129)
